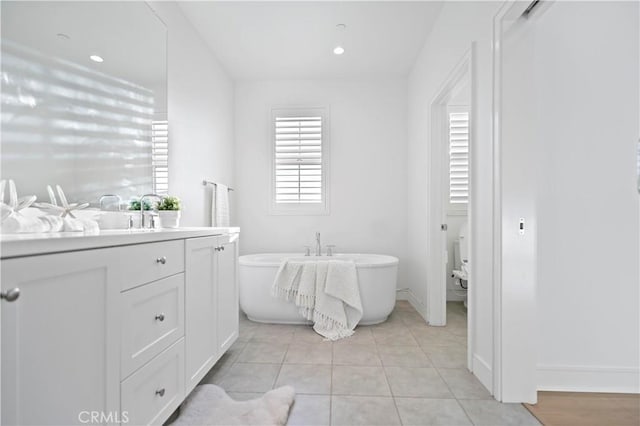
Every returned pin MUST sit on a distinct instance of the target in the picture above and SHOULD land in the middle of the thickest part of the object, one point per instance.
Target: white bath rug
(209, 405)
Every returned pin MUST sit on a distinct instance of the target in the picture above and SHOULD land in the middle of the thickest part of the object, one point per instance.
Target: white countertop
(18, 245)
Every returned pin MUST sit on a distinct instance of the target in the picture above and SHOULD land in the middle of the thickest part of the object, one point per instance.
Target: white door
(227, 284)
(437, 238)
(60, 345)
(201, 305)
(516, 213)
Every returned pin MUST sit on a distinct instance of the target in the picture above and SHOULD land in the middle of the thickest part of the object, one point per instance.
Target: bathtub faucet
(318, 246)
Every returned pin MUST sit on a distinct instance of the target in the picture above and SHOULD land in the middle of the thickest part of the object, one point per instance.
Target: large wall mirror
(84, 98)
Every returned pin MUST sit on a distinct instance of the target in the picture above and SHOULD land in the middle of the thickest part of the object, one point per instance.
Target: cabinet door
(227, 283)
(60, 345)
(200, 308)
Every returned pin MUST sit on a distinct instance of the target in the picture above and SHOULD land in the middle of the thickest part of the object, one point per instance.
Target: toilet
(461, 261)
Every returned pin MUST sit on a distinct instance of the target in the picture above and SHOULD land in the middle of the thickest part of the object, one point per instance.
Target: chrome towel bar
(208, 182)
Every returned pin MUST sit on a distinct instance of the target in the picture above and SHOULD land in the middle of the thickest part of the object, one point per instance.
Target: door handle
(10, 295)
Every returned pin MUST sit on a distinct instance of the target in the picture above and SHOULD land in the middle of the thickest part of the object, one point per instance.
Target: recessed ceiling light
(338, 50)
(96, 58)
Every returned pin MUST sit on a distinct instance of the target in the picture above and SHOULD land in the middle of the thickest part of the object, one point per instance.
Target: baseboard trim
(568, 378)
(482, 370)
(408, 295)
(402, 294)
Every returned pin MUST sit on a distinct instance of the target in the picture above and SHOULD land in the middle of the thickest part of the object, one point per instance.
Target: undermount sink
(119, 219)
(126, 219)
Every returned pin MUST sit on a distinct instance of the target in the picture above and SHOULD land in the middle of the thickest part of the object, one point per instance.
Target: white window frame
(301, 209)
(160, 154)
(455, 209)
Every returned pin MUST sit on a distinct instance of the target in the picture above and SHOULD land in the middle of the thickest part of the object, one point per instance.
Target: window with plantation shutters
(458, 158)
(160, 156)
(299, 160)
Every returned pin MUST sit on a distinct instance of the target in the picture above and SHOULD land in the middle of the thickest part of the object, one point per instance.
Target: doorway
(450, 195)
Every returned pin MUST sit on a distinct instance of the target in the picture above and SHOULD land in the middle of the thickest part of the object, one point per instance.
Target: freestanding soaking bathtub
(377, 275)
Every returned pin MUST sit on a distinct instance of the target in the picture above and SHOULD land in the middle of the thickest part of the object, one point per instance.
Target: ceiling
(128, 35)
(295, 40)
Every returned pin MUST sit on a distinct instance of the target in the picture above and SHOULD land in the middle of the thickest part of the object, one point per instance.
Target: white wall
(458, 26)
(589, 236)
(201, 108)
(367, 167)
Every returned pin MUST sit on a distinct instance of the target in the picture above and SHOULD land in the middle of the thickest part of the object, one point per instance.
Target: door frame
(436, 214)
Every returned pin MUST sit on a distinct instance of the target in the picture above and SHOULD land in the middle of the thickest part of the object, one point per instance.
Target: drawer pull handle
(160, 392)
(10, 295)
(219, 248)
(160, 317)
(162, 260)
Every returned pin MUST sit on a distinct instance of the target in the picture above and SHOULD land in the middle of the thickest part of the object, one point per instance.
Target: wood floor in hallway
(586, 409)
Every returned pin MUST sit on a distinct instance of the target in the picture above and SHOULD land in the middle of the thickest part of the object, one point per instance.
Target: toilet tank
(464, 242)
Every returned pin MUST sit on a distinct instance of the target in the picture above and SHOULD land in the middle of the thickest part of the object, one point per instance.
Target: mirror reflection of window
(160, 155)
(78, 109)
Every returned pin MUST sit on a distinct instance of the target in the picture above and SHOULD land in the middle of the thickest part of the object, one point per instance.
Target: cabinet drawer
(143, 263)
(152, 393)
(152, 319)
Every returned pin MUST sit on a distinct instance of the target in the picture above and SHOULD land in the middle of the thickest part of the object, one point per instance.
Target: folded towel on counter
(326, 292)
(33, 221)
(52, 223)
(19, 224)
(5, 211)
(88, 226)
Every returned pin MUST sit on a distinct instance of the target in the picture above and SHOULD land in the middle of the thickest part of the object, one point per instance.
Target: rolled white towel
(53, 223)
(90, 226)
(18, 224)
(87, 226)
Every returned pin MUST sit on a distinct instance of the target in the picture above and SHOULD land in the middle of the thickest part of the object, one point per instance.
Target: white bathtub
(377, 275)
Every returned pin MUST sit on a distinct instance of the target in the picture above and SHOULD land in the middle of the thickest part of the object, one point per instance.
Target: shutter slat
(459, 158)
(298, 159)
(160, 156)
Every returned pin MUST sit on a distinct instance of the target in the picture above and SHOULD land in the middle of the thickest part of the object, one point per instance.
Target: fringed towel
(325, 292)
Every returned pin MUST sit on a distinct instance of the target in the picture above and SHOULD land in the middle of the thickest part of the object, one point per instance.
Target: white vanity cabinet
(60, 338)
(211, 294)
(228, 320)
(122, 333)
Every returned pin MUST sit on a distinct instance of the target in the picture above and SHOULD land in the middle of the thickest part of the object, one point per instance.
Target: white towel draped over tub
(326, 292)
(220, 205)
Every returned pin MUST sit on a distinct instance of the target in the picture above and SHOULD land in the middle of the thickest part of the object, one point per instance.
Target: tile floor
(401, 372)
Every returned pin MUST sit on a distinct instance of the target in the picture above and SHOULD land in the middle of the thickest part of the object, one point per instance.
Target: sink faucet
(318, 246)
(142, 206)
